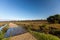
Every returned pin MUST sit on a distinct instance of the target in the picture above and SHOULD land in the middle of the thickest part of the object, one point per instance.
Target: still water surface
(13, 31)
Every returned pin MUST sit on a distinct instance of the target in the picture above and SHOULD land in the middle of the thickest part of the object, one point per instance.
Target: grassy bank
(43, 36)
(2, 33)
(2, 36)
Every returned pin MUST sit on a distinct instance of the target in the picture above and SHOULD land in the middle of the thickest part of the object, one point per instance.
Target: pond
(15, 31)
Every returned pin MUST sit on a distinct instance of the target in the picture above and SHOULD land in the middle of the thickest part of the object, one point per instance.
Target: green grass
(42, 36)
(2, 33)
(2, 36)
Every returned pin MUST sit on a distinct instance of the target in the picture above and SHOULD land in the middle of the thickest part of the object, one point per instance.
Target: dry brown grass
(54, 25)
(36, 24)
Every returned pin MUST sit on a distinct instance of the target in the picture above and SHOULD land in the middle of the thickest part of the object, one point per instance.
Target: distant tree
(57, 18)
(54, 19)
(51, 19)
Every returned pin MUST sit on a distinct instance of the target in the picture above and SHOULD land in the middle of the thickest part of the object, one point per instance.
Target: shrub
(54, 18)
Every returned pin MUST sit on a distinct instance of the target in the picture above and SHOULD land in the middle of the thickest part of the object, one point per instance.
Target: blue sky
(28, 9)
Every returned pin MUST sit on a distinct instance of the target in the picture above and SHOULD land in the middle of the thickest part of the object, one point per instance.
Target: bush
(42, 36)
(54, 18)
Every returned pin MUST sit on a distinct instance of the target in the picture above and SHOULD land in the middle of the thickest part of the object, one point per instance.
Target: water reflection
(14, 31)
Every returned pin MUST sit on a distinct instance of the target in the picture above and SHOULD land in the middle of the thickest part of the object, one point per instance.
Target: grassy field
(38, 27)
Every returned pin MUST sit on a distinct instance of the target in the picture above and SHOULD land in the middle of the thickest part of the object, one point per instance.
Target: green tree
(54, 19)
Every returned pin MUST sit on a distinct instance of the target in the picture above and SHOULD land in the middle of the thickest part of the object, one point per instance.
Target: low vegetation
(43, 36)
(2, 33)
(2, 36)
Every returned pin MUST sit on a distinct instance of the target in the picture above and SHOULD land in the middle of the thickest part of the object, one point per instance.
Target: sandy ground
(11, 25)
(25, 36)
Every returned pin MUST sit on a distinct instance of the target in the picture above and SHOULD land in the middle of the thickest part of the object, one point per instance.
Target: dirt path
(11, 25)
(25, 36)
